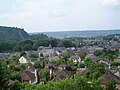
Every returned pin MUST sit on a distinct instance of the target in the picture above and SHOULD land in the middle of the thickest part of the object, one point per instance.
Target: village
(52, 64)
(59, 44)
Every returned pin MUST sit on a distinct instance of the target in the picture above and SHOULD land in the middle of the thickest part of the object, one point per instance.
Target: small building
(47, 52)
(23, 59)
(83, 49)
(59, 50)
(92, 49)
(93, 58)
(50, 65)
(75, 59)
(28, 77)
(30, 74)
(52, 57)
(64, 66)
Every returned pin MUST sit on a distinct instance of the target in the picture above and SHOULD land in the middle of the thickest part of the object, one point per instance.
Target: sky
(60, 15)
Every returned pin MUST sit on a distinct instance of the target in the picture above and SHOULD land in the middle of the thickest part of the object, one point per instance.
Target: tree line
(25, 45)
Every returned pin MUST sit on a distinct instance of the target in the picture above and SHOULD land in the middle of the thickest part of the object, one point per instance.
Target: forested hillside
(13, 33)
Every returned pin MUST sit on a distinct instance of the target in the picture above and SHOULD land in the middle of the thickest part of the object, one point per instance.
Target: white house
(23, 59)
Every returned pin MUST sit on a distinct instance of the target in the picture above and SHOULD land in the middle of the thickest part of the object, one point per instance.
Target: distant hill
(12, 33)
(86, 33)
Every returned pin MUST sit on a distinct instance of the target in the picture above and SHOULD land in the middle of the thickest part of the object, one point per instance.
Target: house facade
(23, 59)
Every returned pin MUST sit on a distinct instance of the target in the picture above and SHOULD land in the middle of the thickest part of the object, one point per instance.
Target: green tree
(27, 47)
(17, 48)
(15, 59)
(95, 70)
(15, 75)
(33, 55)
(44, 75)
(35, 45)
(57, 62)
(115, 64)
(23, 53)
(81, 65)
(66, 43)
(3, 77)
(109, 54)
(5, 46)
(53, 42)
(82, 55)
(16, 85)
(22, 67)
(111, 85)
(37, 65)
(38, 36)
(65, 55)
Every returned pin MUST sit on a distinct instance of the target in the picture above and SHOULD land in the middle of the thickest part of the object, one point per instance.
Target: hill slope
(12, 33)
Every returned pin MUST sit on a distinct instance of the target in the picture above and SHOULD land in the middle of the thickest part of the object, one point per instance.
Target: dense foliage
(108, 54)
(111, 85)
(25, 45)
(13, 33)
(76, 83)
(38, 36)
(3, 77)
